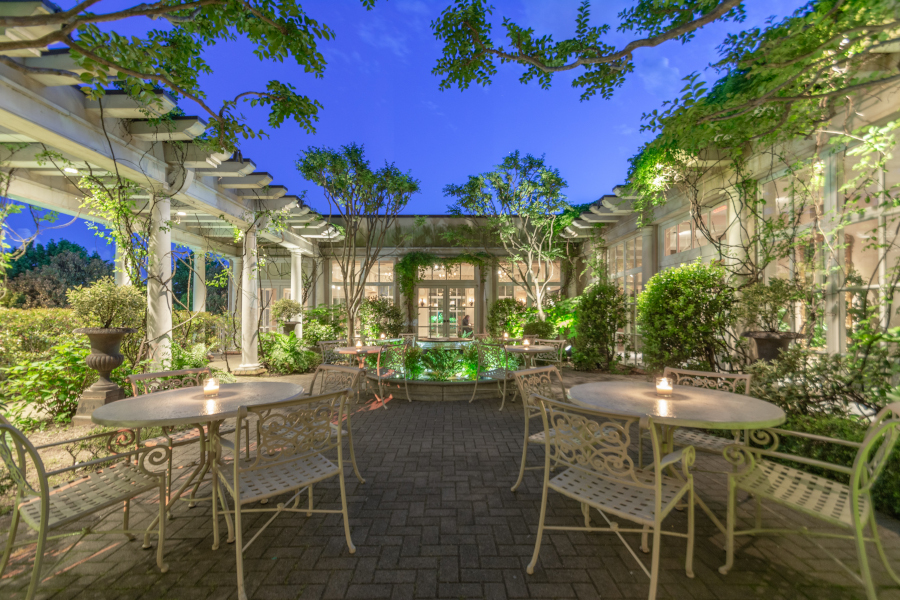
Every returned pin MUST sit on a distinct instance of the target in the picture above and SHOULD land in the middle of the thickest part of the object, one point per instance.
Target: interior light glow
(71, 170)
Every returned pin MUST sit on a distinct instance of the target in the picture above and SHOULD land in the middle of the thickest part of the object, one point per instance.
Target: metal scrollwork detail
(9, 457)
(284, 435)
(599, 446)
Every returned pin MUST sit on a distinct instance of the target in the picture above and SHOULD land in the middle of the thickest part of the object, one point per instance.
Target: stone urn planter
(288, 326)
(104, 357)
(770, 344)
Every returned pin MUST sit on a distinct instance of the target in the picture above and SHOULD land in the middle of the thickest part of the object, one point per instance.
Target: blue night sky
(378, 90)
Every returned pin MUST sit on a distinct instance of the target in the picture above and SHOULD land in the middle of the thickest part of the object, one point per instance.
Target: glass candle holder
(526, 343)
(359, 344)
(663, 387)
(505, 336)
(211, 387)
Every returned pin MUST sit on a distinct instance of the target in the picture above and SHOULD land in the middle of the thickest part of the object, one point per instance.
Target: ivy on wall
(408, 270)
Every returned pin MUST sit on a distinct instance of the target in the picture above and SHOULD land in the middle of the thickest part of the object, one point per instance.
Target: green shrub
(543, 329)
(442, 362)
(562, 313)
(415, 368)
(194, 357)
(285, 310)
(379, 316)
(196, 328)
(885, 494)
(506, 316)
(29, 334)
(105, 304)
(803, 382)
(285, 354)
(49, 387)
(684, 314)
(323, 323)
(600, 314)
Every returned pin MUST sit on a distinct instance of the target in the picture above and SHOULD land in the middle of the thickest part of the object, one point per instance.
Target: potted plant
(765, 310)
(111, 311)
(287, 313)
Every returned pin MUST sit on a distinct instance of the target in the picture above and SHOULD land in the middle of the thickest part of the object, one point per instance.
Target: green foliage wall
(684, 314)
(379, 316)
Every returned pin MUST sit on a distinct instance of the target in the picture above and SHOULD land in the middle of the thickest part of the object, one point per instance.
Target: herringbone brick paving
(436, 519)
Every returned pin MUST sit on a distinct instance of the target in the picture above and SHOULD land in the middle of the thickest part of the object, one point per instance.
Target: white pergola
(202, 193)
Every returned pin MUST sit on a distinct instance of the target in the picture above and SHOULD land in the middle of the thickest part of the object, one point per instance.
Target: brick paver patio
(436, 519)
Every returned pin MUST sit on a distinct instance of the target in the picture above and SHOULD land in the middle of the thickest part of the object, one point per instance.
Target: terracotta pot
(770, 344)
(104, 356)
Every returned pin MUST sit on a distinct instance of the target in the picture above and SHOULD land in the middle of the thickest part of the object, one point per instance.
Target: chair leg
(654, 561)
(645, 540)
(353, 453)
(475, 390)
(215, 506)
(864, 571)
(125, 513)
(239, 550)
(524, 458)
(38, 559)
(689, 559)
(502, 393)
(310, 507)
(344, 511)
(161, 543)
(10, 540)
(876, 538)
(540, 531)
(729, 530)
(586, 512)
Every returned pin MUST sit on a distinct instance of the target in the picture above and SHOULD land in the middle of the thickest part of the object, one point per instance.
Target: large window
(379, 283)
(543, 273)
(626, 261)
(685, 235)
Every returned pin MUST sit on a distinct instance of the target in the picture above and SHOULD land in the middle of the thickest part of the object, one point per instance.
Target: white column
(123, 277)
(297, 287)
(198, 287)
(159, 281)
(649, 252)
(249, 306)
(235, 266)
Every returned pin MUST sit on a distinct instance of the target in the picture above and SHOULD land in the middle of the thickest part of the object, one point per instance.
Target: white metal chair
(705, 442)
(492, 365)
(846, 506)
(554, 357)
(594, 446)
(334, 378)
(542, 381)
(409, 338)
(293, 435)
(103, 483)
(391, 369)
(329, 354)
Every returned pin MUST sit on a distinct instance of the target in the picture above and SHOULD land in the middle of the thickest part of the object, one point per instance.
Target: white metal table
(189, 406)
(529, 352)
(686, 407)
(361, 352)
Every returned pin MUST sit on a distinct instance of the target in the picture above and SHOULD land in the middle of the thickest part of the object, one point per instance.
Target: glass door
(446, 311)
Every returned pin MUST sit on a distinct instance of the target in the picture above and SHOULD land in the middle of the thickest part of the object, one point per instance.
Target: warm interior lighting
(71, 170)
(663, 386)
(211, 388)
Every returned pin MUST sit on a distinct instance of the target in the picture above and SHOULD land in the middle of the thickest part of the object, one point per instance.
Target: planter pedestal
(770, 344)
(104, 357)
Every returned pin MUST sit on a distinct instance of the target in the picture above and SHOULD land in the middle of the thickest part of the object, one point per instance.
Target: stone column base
(92, 400)
(249, 370)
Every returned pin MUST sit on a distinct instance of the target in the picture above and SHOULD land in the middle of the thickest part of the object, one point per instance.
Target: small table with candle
(679, 406)
(359, 351)
(193, 406)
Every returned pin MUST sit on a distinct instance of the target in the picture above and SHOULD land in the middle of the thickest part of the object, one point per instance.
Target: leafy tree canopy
(471, 53)
(39, 255)
(171, 57)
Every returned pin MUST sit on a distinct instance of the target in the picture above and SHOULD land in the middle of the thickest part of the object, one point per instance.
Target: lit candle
(382, 336)
(359, 344)
(211, 388)
(663, 386)
(505, 335)
(525, 342)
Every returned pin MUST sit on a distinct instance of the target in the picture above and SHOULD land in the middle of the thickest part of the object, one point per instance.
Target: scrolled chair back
(597, 442)
(726, 382)
(392, 361)
(333, 378)
(16, 451)
(330, 355)
(554, 355)
(160, 381)
(491, 357)
(876, 448)
(540, 381)
(292, 429)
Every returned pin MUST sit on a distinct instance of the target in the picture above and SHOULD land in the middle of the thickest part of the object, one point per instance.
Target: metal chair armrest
(142, 452)
(685, 455)
(818, 438)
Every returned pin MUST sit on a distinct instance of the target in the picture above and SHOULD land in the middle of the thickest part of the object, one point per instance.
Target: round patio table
(360, 352)
(686, 407)
(529, 351)
(189, 406)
